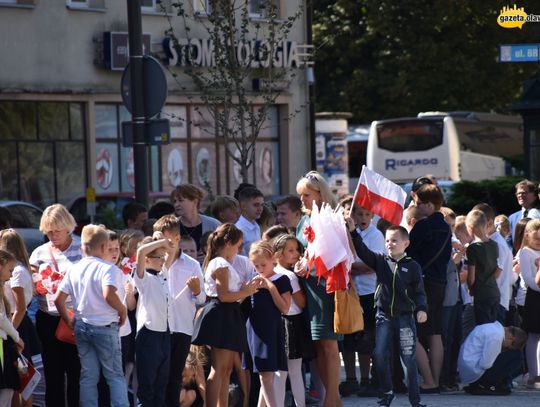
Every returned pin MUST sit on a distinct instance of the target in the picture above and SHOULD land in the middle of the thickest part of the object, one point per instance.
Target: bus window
(413, 135)
(493, 138)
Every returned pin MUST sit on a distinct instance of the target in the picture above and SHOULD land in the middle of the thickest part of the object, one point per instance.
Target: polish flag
(380, 196)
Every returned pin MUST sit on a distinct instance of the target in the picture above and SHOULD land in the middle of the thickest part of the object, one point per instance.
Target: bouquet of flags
(47, 279)
(328, 246)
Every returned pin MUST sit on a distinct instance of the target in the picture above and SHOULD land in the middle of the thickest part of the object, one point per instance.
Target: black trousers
(180, 344)
(60, 361)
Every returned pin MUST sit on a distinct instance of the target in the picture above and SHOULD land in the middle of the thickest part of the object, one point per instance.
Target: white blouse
(235, 280)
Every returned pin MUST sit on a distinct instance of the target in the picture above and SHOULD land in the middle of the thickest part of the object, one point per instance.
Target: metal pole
(140, 155)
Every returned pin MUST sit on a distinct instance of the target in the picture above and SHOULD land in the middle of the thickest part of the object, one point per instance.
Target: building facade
(61, 109)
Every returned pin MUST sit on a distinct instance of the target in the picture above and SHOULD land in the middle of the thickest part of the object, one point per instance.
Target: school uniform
(181, 314)
(220, 324)
(9, 377)
(152, 343)
(96, 329)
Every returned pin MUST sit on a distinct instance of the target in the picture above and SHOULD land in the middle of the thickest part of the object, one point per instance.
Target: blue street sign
(519, 53)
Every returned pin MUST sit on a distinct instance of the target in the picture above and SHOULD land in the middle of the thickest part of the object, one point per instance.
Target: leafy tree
(381, 59)
(226, 87)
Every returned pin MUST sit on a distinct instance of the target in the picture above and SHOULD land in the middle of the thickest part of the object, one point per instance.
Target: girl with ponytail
(220, 325)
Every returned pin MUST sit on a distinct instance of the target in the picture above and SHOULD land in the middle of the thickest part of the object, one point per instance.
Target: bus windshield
(410, 135)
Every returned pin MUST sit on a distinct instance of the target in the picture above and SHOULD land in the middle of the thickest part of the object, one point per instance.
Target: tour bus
(453, 146)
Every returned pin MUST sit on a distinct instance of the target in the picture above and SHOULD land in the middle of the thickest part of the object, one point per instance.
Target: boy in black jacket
(398, 297)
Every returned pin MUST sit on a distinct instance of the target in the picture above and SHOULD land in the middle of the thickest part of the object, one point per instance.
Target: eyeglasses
(157, 257)
(310, 177)
(524, 193)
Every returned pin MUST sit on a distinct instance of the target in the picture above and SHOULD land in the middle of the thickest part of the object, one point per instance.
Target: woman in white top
(9, 378)
(18, 292)
(528, 256)
(60, 359)
(220, 325)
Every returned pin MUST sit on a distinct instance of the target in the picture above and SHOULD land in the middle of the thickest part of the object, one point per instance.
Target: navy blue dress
(265, 332)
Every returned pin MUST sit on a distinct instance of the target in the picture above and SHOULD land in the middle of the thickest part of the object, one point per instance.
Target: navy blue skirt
(220, 325)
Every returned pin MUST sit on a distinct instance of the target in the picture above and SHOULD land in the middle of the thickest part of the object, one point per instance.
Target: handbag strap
(55, 264)
(430, 262)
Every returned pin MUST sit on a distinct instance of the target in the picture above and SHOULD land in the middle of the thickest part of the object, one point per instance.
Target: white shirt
(244, 267)
(182, 304)
(504, 262)
(479, 351)
(374, 240)
(522, 288)
(6, 326)
(514, 218)
(235, 281)
(528, 269)
(295, 284)
(251, 231)
(42, 255)
(20, 277)
(153, 301)
(121, 280)
(84, 283)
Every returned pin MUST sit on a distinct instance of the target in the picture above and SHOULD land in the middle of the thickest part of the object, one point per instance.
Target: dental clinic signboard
(255, 53)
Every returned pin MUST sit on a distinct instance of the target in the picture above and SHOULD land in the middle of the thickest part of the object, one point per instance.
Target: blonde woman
(60, 359)
(313, 188)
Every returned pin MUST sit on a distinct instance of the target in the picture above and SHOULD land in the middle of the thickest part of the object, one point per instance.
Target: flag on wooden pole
(380, 196)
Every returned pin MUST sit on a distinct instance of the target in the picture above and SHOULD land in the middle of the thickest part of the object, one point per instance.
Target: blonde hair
(57, 216)
(5, 258)
(477, 219)
(92, 236)
(315, 182)
(448, 212)
(532, 226)
(261, 248)
(502, 224)
(11, 242)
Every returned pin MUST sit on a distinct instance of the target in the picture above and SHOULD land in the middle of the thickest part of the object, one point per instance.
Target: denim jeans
(99, 349)
(403, 328)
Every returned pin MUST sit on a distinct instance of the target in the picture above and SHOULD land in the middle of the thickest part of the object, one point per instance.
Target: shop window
(42, 150)
(36, 169)
(8, 173)
(115, 166)
(18, 121)
(53, 121)
(71, 164)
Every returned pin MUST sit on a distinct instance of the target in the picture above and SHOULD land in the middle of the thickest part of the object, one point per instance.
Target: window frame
(78, 3)
(149, 9)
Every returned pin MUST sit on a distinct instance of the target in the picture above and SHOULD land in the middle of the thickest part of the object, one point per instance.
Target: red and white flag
(380, 196)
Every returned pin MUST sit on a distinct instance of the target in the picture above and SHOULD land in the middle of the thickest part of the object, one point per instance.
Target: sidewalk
(518, 398)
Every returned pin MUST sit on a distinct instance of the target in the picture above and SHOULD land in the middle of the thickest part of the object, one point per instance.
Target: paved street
(519, 398)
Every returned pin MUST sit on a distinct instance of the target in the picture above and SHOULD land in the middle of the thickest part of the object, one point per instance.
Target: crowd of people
(189, 309)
